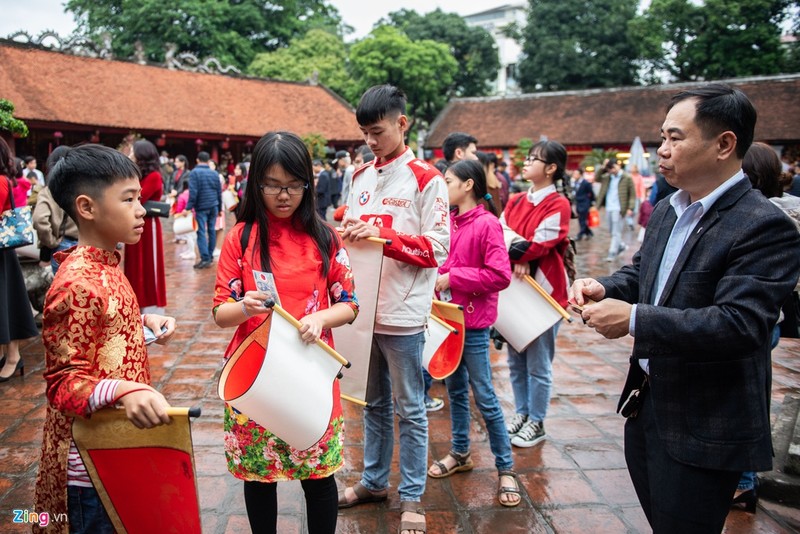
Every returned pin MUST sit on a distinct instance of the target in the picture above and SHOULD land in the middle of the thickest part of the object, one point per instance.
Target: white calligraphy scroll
(354, 341)
(282, 383)
(525, 311)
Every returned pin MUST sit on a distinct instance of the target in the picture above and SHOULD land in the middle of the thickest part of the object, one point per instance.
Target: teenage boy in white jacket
(404, 199)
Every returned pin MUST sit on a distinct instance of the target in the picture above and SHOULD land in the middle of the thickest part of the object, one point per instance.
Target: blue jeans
(86, 512)
(531, 374)
(206, 235)
(748, 480)
(475, 370)
(427, 379)
(395, 381)
(64, 245)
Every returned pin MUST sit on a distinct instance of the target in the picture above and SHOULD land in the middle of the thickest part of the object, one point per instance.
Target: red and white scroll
(525, 311)
(146, 478)
(282, 383)
(354, 341)
(442, 357)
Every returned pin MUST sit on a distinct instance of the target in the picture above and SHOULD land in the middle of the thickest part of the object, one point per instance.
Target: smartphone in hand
(150, 336)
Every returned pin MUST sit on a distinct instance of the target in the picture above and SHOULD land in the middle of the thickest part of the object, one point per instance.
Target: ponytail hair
(472, 169)
(553, 152)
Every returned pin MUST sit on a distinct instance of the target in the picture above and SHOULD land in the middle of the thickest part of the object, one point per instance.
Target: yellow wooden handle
(352, 399)
(447, 304)
(179, 411)
(297, 324)
(444, 324)
(380, 240)
(548, 298)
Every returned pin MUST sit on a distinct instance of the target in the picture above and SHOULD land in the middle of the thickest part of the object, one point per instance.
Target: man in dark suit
(700, 298)
(584, 198)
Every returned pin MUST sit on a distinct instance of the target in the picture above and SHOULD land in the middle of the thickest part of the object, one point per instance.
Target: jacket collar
(390, 166)
(465, 218)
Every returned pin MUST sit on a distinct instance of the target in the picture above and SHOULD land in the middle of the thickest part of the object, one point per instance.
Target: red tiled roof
(57, 87)
(607, 116)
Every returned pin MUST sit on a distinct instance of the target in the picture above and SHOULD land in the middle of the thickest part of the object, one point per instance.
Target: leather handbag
(157, 209)
(16, 225)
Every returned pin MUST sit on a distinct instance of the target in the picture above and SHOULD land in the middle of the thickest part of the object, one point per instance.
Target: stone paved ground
(575, 481)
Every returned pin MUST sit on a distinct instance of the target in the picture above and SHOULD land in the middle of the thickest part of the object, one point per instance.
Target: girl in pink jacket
(477, 268)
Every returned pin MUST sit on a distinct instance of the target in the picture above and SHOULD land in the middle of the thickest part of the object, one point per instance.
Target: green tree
(521, 152)
(572, 44)
(712, 40)
(793, 48)
(423, 69)
(473, 47)
(317, 54)
(316, 144)
(233, 31)
(596, 157)
(7, 121)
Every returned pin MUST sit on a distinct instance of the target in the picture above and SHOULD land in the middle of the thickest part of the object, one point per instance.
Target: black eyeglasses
(531, 159)
(275, 190)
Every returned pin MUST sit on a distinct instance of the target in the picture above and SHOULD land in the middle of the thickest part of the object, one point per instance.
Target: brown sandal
(508, 490)
(363, 495)
(405, 524)
(463, 463)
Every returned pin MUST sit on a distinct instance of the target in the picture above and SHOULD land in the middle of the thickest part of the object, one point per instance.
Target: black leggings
(322, 506)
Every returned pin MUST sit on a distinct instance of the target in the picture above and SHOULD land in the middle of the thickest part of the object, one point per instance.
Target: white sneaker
(188, 256)
(216, 253)
(516, 423)
(529, 435)
(434, 404)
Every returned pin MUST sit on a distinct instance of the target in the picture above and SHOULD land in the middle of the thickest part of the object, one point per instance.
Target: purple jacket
(478, 265)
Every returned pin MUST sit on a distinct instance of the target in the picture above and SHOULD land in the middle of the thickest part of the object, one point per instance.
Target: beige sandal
(463, 463)
(363, 495)
(406, 524)
(508, 490)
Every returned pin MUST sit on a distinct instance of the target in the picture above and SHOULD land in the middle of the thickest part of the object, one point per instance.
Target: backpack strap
(245, 238)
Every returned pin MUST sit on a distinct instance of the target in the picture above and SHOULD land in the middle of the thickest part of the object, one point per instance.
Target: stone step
(782, 484)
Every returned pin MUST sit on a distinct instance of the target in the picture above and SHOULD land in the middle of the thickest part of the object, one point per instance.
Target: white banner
(354, 341)
(523, 314)
(290, 391)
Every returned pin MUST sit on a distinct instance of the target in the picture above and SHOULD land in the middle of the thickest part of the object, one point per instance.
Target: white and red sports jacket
(407, 198)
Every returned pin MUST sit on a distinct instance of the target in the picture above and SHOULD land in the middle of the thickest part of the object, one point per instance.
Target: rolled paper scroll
(441, 361)
(354, 340)
(282, 383)
(524, 312)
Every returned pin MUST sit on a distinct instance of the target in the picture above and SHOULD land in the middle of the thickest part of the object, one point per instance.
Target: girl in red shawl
(144, 261)
(284, 236)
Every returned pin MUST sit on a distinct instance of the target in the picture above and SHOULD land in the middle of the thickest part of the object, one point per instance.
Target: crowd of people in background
(502, 221)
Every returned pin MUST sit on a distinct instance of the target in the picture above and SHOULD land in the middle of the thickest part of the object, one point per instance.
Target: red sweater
(545, 226)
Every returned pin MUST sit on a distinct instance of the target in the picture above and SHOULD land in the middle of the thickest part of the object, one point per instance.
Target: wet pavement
(574, 481)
